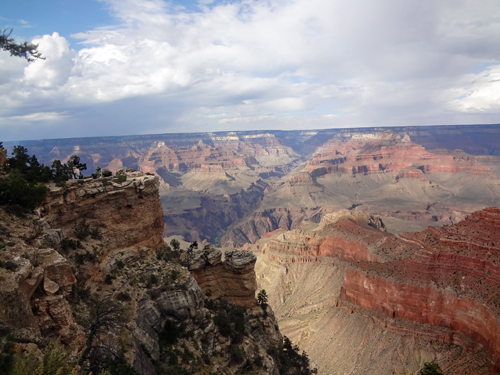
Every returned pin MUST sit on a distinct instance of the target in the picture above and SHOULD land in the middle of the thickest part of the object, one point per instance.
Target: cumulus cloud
(54, 71)
(275, 63)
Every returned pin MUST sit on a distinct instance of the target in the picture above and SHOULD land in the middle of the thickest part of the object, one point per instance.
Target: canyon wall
(429, 294)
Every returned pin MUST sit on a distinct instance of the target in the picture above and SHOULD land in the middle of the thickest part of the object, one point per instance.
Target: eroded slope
(395, 301)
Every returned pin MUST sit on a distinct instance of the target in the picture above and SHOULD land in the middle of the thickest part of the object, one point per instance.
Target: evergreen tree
(24, 50)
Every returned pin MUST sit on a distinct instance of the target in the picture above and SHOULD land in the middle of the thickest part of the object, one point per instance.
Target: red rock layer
(345, 235)
(385, 152)
(447, 276)
(452, 281)
(226, 153)
(424, 304)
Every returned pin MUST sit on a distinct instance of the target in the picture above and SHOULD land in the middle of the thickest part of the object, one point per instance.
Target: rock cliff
(430, 294)
(126, 214)
(233, 278)
(94, 250)
(380, 173)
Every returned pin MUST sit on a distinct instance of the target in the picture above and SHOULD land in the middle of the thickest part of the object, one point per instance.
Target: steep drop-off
(98, 245)
(127, 214)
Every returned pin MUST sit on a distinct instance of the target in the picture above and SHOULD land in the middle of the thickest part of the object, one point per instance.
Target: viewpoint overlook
(375, 250)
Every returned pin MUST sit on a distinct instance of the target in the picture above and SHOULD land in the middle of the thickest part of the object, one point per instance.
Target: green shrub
(56, 360)
(96, 234)
(81, 230)
(167, 254)
(119, 366)
(6, 354)
(152, 281)
(175, 244)
(222, 321)
(171, 332)
(123, 296)
(68, 243)
(121, 177)
(431, 369)
(86, 257)
(236, 353)
(19, 194)
(109, 279)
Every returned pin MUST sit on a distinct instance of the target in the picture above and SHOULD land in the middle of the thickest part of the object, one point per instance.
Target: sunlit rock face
(233, 278)
(452, 281)
(126, 214)
(436, 286)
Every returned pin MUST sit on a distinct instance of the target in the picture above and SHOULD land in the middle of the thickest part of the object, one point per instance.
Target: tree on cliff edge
(262, 298)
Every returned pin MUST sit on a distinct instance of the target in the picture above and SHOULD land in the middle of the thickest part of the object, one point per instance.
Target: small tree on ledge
(262, 298)
(431, 369)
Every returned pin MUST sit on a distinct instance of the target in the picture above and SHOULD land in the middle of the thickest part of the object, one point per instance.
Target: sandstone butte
(37, 289)
(441, 285)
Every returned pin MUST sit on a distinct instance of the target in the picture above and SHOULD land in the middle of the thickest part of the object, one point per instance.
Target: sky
(124, 67)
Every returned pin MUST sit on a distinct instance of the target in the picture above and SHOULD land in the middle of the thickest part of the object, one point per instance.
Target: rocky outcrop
(452, 281)
(181, 301)
(233, 278)
(126, 214)
(105, 269)
(347, 235)
(15, 310)
(35, 283)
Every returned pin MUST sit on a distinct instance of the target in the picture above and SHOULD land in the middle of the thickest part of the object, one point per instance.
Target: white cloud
(25, 24)
(260, 62)
(56, 69)
(39, 116)
(479, 93)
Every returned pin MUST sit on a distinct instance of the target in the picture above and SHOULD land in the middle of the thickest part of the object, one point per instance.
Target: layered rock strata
(52, 281)
(233, 278)
(381, 173)
(440, 285)
(241, 185)
(126, 214)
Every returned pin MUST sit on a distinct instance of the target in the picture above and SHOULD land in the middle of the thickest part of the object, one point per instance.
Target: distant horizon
(25, 141)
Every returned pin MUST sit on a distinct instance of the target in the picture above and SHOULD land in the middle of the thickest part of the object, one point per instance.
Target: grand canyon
(378, 247)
